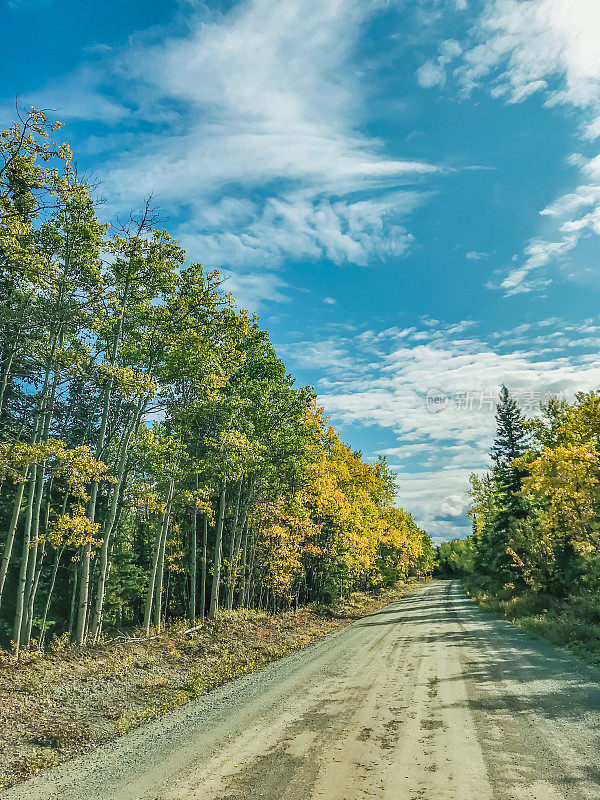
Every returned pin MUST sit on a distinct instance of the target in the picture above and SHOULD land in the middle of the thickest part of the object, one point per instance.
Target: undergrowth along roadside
(574, 624)
(58, 704)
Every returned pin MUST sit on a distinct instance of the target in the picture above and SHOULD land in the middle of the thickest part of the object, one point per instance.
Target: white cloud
(473, 255)
(262, 101)
(523, 45)
(591, 130)
(569, 204)
(327, 354)
(253, 290)
(433, 72)
(300, 225)
(382, 379)
(425, 495)
(577, 214)
(538, 253)
(454, 505)
(79, 96)
(550, 47)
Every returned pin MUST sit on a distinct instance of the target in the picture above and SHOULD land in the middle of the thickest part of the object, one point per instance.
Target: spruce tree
(511, 435)
(509, 444)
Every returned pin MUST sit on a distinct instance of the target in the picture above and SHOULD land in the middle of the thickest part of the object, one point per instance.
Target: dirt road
(429, 699)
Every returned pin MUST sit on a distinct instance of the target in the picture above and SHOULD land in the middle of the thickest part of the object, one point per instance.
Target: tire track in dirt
(428, 699)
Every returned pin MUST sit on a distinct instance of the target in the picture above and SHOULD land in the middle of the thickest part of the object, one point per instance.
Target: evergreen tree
(511, 435)
(509, 444)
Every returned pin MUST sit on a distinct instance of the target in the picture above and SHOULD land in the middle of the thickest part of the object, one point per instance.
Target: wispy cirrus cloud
(252, 290)
(249, 128)
(549, 48)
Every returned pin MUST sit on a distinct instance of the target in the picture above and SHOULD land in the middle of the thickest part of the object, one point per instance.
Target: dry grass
(57, 704)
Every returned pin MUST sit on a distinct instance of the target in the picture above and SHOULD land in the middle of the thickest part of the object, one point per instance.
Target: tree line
(156, 459)
(536, 512)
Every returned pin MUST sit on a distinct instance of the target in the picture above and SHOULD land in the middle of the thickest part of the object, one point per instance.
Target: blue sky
(407, 192)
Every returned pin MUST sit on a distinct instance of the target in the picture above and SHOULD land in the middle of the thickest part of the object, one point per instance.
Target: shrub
(62, 734)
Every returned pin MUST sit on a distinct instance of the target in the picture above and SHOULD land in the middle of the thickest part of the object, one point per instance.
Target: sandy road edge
(207, 703)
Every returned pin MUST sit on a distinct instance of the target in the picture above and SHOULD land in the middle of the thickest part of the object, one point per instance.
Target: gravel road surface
(428, 699)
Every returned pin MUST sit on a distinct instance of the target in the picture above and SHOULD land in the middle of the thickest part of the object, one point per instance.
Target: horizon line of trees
(536, 512)
(156, 460)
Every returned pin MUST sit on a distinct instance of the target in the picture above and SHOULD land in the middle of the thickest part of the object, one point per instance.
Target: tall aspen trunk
(23, 571)
(34, 570)
(40, 432)
(84, 573)
(152, 581)
(110, 522)
(193, 569)
(11, 534)
(33, 557)
(242, 584)
(73, 608)
(82, 600)
(250, 583)
(160, 575)
(232, 546)
(160, 535)
(32, 595)
(214, 593)
(104, 566)
(235, 563)
(203, 568)
(57, 556)
(6, 371)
